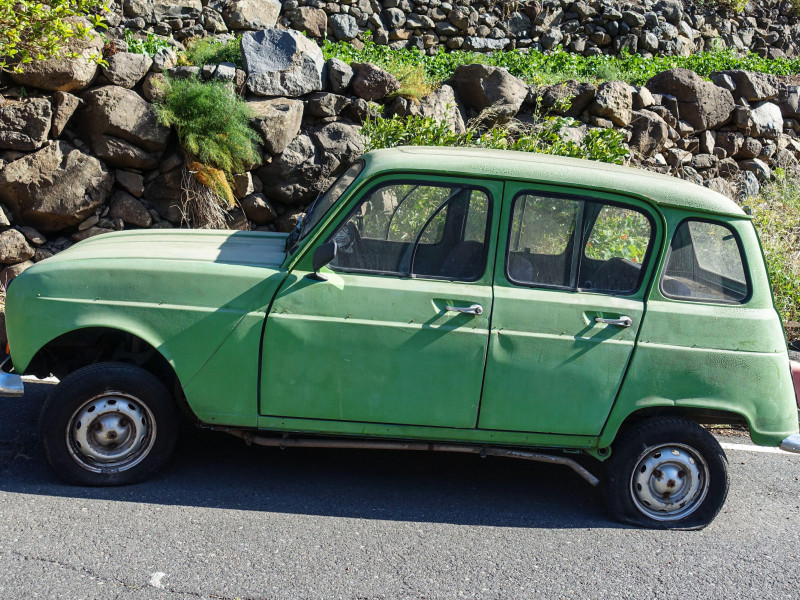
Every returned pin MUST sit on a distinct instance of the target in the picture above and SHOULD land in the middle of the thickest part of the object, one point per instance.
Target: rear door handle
(623, 321)
(475, 309)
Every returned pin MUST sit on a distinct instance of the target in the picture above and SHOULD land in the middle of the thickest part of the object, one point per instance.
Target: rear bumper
(791, 443)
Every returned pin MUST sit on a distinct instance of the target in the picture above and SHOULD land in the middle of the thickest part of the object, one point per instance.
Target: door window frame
(742, 254)
(579, 238)
(483, 185)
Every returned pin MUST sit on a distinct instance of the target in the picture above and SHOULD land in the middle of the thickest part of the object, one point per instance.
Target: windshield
(322, 204)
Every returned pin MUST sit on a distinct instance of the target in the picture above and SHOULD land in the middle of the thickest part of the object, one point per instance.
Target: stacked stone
(82, 152)
(588, 27)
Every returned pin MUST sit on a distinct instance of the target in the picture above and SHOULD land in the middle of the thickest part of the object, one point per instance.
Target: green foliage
(36, 30)
(606, 145)
(208, 51)
(541, 68)
(148, 45)
(776, 214)
(212, 122)
(736, 6)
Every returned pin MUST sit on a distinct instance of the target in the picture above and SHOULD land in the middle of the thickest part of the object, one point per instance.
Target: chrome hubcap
(111, 433)
(669, 482)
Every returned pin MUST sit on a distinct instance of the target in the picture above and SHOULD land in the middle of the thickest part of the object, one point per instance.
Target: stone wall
(769, 28)
(82, 153)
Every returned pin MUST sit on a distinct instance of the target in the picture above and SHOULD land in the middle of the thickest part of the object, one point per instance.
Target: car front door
(398, 333)
(570, 280)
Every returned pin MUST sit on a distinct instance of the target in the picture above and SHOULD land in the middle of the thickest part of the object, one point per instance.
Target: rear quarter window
(705, 264)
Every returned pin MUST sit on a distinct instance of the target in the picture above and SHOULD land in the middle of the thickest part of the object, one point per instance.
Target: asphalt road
(227, 521)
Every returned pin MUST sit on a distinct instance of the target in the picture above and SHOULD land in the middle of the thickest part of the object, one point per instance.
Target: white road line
(749, 448)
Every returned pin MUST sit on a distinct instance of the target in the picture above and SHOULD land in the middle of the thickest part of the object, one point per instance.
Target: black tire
(108, 424)
(666, 473)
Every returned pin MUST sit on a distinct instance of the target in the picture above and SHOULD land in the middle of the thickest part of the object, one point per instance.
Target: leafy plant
(148, 45)
(776, 215)
(559, 65)
(606, 145)
(209, 51)
(35, 30)
(213, 126)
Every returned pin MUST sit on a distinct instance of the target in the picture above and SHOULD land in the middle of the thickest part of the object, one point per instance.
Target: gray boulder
(324, 105)
(649, 133)
(757, 167)
(701, 104)
(64, 74)
(393, 18)
(344, 27)
(122, 128)
(164, 59)
(278, 121)
(339, 145)
(613, 101)
(753, 87)
(25, 125)
(65, 106)
(129, 209)
(314, 21)
(130, 182)
(282, 63)
(293, 177)
(340, 74)
(569, 98)
(14, 248)
(126, 69)
(766, 120)
(440, 105)
(54, 188)
(790, 101)
(258, 209)
(251, 14)
(10, 272)
(482, 86)
(372, 83)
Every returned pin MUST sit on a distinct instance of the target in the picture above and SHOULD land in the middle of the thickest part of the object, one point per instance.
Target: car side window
(416, 228)
(615, 249)
(705, 264)
(613, 243)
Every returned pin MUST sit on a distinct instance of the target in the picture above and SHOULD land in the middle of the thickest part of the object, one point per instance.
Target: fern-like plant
(213, 126)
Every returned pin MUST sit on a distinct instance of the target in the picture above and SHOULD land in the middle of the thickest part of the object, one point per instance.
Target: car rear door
(571, 274)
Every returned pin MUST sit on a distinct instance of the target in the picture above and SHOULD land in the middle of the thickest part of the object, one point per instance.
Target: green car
(462, 300)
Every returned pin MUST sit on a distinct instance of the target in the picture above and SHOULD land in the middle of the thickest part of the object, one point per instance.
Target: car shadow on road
(215, 470)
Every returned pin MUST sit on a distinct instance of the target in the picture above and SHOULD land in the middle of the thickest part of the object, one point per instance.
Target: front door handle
(623, 321)
(475, 309)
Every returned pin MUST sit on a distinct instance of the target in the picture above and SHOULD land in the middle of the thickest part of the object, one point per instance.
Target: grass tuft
(776, 215)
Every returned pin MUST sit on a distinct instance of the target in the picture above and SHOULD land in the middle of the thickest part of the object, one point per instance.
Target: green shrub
(208, 51)
(36, 30)
(776, 215)
(553, 67)
(148, 45)
(606, 145)
(213, 126)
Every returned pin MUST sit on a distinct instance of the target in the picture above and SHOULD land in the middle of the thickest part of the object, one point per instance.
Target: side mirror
(323, 255)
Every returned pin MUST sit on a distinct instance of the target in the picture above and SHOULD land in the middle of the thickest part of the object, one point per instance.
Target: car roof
(546, 168)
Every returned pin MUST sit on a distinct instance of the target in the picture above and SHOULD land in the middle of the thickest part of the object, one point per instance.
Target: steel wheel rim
(111, 432)
(669, 482)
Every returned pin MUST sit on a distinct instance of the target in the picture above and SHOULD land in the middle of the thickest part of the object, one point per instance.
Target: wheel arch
(700, 415)
(82, 346)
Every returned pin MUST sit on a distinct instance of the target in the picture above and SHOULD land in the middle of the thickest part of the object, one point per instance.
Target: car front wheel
(108, 424)
(666, 473)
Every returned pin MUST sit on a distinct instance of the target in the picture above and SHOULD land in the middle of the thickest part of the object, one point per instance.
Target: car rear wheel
(666, 473)
(108, 424)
